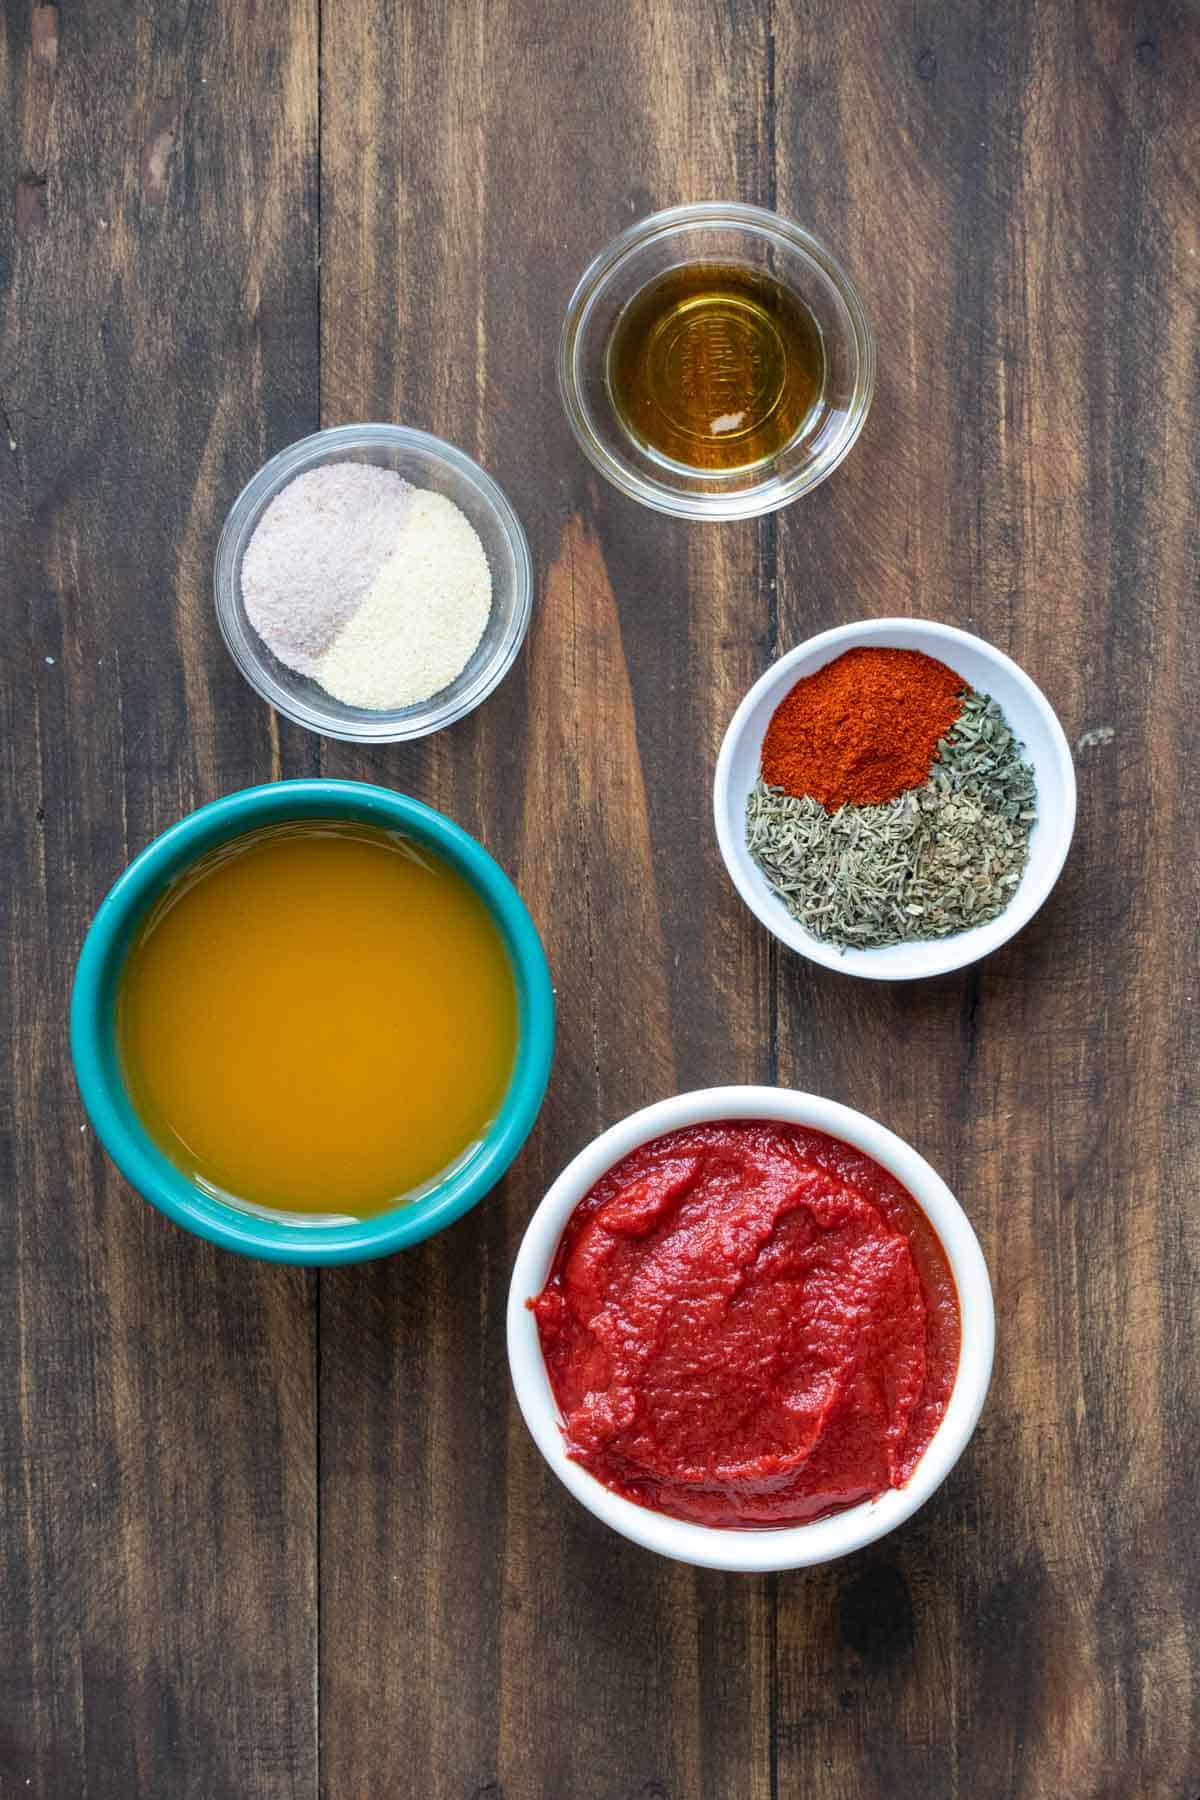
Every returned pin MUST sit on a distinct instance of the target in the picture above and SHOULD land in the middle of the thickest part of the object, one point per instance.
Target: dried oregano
(938, 859)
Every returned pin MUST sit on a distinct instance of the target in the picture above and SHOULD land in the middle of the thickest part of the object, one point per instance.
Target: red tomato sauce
(749, 1324)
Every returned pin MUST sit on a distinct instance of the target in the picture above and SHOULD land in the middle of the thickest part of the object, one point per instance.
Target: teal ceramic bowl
(93, 1037)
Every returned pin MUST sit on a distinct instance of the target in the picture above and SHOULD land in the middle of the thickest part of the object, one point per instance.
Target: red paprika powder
(862, 729)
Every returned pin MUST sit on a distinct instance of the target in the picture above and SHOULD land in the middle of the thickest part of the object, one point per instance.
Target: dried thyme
(940, 858)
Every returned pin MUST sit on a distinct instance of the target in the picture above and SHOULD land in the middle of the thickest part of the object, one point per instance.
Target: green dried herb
(941, 858)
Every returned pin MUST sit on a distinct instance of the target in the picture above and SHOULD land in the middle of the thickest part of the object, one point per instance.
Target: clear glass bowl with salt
(428, 463)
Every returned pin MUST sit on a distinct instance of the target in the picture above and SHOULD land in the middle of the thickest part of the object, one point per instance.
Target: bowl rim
(387, 727)
(94, 1053)
(754, 1550)
(712, 505)
(938, 956)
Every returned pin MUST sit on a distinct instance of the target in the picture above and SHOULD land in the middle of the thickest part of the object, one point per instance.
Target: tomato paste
(749, 1324)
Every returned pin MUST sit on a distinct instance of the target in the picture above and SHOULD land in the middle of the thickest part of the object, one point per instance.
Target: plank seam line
(771, 557)
(318, 1572)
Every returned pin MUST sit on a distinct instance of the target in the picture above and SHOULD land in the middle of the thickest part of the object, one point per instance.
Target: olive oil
(715, 366)
(318, 1018)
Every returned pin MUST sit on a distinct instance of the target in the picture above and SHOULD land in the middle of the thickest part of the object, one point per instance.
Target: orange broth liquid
(317, 1018)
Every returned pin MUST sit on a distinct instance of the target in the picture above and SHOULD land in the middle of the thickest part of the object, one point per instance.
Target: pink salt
(315, 552)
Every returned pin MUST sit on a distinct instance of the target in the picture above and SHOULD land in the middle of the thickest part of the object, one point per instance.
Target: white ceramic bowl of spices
(373, 583)
(894, 798)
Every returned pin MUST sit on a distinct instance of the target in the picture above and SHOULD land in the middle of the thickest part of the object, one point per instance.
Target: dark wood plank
(1017, 192)
(157, 1398)
(515, 1646)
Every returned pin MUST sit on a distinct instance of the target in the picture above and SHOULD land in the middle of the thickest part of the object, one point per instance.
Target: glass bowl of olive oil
(716, 361)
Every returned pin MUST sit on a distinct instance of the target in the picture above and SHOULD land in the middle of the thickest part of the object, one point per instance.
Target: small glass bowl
(427, 462)
(726, 232)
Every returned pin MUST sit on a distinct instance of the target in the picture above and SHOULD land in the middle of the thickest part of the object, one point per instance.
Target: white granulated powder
(315, 553)
(422, 618)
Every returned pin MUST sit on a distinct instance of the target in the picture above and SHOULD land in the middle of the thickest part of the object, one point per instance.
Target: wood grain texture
(157, 1398)
(266, 1534)
(504, 1612)
(1028, 245)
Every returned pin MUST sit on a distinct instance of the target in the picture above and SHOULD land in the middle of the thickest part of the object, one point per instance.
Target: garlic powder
(421, 619)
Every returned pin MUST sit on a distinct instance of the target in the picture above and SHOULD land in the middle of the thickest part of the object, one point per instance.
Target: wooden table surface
(275, 1533)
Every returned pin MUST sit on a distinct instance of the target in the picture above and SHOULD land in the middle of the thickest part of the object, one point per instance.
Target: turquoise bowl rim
(93, 1044)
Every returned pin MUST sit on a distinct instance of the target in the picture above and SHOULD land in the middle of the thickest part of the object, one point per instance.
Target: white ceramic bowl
(1028, 712)
(792, 1547)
